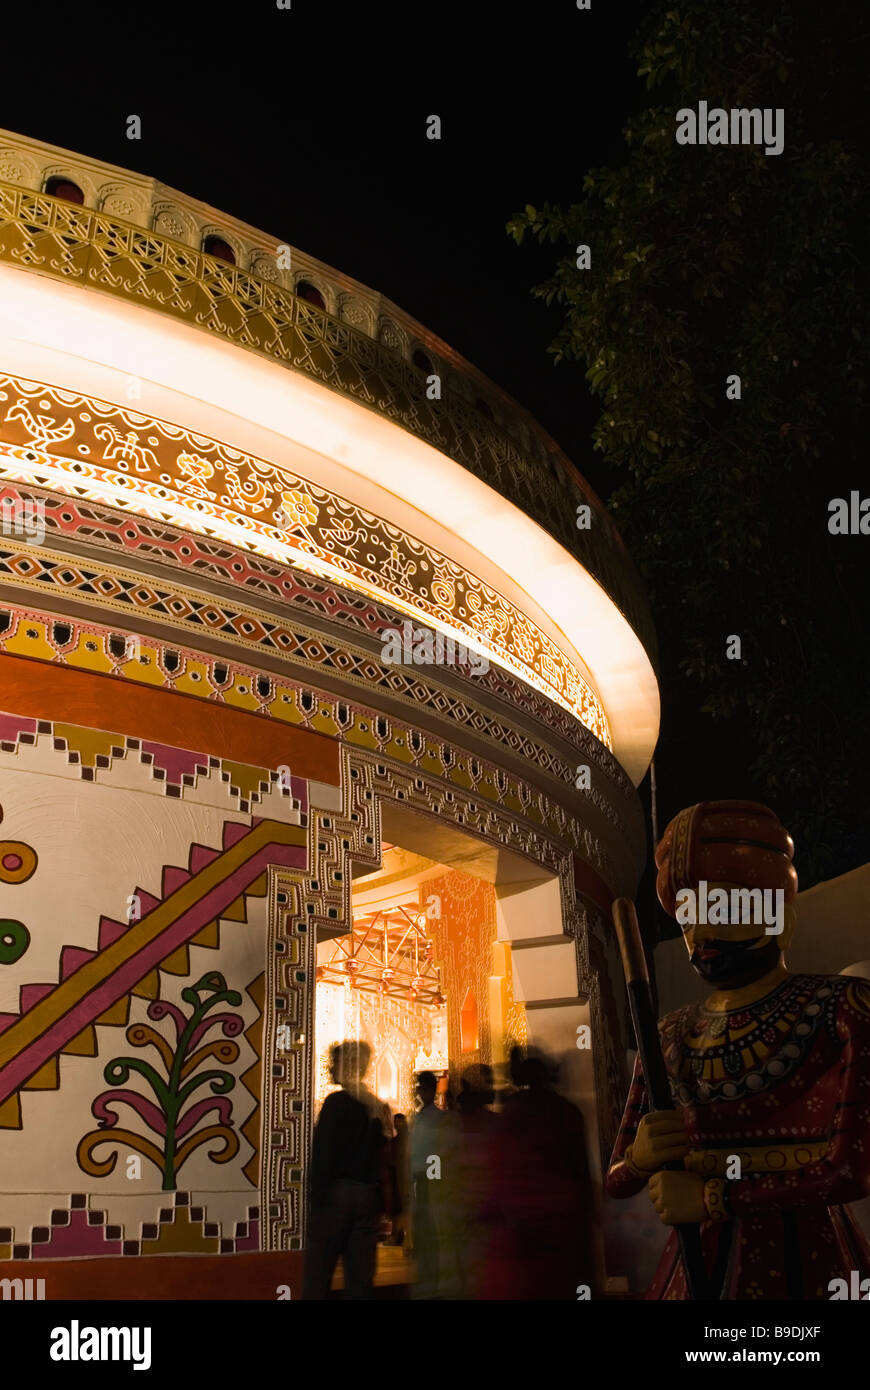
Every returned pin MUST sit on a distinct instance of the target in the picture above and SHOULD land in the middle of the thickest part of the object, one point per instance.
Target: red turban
(739, 843)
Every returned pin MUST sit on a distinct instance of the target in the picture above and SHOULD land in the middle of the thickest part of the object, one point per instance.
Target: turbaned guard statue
(772, 1070)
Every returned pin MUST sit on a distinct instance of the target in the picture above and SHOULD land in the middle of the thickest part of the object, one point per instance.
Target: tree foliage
(709, 261)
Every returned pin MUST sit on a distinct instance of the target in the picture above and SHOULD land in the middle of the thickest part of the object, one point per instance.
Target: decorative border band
(82, 446)
(86, 648)
(74, 522)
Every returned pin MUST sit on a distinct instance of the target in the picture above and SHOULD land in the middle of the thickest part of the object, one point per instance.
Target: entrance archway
(526, 985)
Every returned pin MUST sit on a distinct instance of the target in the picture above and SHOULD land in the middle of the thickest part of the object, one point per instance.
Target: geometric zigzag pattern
(94, 987)
(93, 750)
(78, 1231)
(204, 555)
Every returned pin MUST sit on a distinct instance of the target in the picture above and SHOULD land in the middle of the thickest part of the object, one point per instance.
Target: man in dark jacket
(345, 1181)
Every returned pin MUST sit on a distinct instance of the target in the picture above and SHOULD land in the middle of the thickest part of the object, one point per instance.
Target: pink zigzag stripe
(27, 1062)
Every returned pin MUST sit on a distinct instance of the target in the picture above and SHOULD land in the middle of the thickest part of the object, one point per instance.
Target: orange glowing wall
(483, 1019)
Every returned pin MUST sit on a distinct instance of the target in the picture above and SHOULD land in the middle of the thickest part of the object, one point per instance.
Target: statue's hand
(661, 1138)
(677, 1197)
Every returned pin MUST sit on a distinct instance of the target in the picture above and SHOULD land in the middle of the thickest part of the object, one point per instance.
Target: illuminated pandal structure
(227, 473)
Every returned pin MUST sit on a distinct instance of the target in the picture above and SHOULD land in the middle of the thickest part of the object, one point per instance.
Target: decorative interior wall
(466, 948)
(397, 1033)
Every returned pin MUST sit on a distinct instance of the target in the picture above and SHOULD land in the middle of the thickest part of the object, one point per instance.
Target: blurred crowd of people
(489, 1194)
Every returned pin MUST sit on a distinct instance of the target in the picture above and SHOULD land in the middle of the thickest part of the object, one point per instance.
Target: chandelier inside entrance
(388, 953)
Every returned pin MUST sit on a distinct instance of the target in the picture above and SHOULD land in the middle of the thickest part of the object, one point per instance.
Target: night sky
(310, 124)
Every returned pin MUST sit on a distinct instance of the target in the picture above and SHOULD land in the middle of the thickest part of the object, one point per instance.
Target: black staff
(653, 1066)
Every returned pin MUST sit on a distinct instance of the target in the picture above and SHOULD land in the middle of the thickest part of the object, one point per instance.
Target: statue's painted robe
(784, 1083)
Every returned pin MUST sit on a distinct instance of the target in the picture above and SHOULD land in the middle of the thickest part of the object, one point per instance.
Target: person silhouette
(400, 1158)
(346, 1170)
(541, 1203)
(477, 1150)
(432, 1176)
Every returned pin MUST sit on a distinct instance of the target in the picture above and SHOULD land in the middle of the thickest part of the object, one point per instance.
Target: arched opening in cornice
(60, 187)
(305, 290)
(216, 246)
(422, 362)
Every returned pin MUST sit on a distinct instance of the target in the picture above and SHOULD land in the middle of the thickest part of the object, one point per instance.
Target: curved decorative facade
(220, 504)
